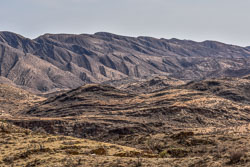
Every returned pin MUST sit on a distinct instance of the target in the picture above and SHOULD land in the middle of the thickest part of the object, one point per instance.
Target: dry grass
(13, 100)
(21, 147)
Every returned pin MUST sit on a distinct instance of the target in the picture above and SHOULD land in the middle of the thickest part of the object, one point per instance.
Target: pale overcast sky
(221, 20)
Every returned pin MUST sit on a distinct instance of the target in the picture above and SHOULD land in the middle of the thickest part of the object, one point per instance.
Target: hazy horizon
(198, 20)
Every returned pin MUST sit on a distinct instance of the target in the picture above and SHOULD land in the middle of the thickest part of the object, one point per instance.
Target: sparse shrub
(71, 162)
(33, 141)
(72, 152)
(51, 139)
(6, 128)
(35, 162)
(138, 163)
(235, 156)
(26, 132)
(70, 147)
(163, 154)
(174, 152)
(70, 142)
(68, 162)
(117, 163)
(177, 152)
(155, 146)
(62, 138)
(128, 154)
(9, 160)
(99, 151)
(182, 135)
(195, 142)
(39, 130)
(219, 151)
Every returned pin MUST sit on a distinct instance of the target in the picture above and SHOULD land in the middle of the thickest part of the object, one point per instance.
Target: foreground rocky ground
(200, 147)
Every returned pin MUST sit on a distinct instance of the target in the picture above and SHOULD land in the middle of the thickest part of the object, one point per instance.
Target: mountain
(64, 61)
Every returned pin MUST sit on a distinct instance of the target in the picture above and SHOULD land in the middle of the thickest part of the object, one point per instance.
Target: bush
(235, 156)
(177, 152)
(39, 130)
(163, 154)
(6, 128)
(155, 145)
(99, 151)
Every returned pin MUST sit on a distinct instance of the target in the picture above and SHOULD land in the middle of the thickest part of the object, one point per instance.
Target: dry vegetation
(98, 125)
(21, 147)
(13, 100)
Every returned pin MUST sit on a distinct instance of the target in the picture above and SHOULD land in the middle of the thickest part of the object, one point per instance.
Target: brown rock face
(60, 61)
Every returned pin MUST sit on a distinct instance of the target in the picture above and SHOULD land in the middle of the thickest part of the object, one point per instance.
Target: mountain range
(65, 61)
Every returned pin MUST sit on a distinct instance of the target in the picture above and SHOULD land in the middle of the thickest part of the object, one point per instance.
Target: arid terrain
(129, 83)
(114, 101)
(153, 121)
(206, 147)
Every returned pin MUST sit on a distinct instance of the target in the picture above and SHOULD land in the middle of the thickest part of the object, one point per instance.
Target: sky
(227, 21)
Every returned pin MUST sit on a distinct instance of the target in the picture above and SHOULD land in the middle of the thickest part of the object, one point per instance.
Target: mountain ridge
(66, 61)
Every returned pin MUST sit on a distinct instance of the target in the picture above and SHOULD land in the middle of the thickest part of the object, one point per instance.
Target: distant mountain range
(65, 61)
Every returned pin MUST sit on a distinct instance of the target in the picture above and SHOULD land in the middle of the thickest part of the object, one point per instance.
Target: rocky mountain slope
(235, 89)
(64, 61)
(101, 111)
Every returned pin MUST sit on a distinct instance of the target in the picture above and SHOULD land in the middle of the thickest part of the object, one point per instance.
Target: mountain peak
(10, 35)
(105, 34)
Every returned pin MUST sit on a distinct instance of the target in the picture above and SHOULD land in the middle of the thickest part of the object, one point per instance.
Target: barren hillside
(59, 61)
